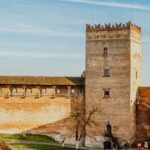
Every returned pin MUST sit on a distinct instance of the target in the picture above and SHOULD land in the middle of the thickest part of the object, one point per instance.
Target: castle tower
(113, 74)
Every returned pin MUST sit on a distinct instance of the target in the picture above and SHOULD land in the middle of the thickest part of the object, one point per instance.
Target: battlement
(111, 27)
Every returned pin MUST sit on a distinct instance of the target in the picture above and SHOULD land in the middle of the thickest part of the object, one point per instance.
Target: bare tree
(80, 118)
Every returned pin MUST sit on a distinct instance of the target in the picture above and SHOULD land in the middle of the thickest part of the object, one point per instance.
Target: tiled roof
(144, 91)
(41, 80)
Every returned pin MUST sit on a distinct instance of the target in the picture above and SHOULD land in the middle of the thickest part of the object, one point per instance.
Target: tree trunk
(63, 144)
(77, 130)
(77, 144)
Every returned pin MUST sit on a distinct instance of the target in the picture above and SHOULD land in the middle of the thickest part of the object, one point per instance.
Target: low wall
(18, 115)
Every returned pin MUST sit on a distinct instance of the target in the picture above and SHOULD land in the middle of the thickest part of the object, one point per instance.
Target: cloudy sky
(47, 37)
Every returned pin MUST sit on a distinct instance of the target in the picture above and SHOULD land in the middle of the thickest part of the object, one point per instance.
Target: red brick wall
(143, 114)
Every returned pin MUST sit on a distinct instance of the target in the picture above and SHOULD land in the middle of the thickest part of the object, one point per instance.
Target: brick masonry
(123, 43)
(19, 115)
(143, 114)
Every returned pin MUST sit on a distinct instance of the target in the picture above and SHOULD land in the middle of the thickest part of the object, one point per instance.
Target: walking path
(52, 144)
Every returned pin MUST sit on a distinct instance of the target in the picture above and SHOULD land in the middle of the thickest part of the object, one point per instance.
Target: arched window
(105, 52)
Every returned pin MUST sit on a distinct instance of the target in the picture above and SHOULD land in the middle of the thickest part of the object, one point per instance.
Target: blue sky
(47, 37)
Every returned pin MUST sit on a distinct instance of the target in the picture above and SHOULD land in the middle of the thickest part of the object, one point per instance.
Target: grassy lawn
(28, 137)
(37, 147)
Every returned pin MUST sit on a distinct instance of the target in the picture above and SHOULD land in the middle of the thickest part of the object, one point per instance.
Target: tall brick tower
(113, 74)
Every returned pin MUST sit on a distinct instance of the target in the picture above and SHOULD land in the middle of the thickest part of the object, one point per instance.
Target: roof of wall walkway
(41, 80)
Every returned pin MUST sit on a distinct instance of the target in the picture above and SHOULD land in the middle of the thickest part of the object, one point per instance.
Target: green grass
(37, 147)
(30, 138)
(27, 137)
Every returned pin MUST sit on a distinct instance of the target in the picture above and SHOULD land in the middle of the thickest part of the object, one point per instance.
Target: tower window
(105, 52)
(106, 73)
(106, 93)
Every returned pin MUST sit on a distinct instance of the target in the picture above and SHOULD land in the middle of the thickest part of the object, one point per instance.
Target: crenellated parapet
(113, 31)
(110, 27)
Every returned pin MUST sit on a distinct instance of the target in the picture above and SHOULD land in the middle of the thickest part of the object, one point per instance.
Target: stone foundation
(94, 142)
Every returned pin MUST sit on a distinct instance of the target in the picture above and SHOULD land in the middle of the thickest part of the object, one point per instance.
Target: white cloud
(111, 4)
(17, 54)
(29, 29)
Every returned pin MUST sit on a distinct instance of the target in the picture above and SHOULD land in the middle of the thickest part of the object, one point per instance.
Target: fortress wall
(143, 114)
(113, 73)
(18, 115)
(116, 107)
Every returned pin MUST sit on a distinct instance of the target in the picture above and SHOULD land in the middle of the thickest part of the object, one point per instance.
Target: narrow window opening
(105, 53)
(106, 73)
(106, 93)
